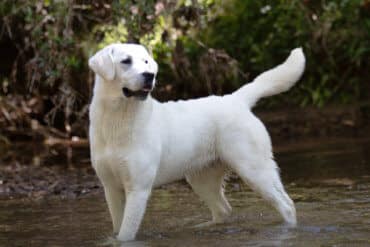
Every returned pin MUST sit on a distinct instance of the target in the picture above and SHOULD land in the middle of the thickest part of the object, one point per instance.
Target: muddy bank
(37, 171)
(33, 170)
(19, 181)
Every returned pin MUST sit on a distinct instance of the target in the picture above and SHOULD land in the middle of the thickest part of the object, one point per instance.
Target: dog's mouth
(141, 94)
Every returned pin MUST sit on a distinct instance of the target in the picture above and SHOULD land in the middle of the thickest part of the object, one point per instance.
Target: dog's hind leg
(246, 149)
(208, 185)
(265, 180)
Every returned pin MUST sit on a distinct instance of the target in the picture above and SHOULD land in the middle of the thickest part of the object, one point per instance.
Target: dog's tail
(274, 81)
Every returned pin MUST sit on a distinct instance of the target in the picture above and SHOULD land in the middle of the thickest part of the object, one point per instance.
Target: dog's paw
(110, 241)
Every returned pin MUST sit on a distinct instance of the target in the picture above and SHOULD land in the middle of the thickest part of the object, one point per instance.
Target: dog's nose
(148, 79)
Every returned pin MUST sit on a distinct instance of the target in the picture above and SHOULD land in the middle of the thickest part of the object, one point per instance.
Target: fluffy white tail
(274, 81)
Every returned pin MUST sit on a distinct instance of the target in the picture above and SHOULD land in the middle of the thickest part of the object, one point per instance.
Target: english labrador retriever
(138, 143)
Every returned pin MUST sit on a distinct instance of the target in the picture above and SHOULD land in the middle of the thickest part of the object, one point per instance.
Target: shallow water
(328, 180)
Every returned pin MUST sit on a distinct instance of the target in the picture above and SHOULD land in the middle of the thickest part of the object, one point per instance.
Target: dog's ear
(102, 63)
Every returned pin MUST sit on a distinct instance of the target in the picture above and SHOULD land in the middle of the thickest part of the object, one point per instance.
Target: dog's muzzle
(143, 93)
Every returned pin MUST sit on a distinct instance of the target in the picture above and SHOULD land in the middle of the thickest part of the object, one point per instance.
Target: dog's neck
(105, 90)
(110, 108)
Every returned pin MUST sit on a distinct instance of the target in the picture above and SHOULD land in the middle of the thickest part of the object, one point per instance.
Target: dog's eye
(127, 61)
(146, 61)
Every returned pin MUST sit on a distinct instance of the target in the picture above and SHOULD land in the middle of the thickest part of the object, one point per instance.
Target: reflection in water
(135, 244)
(115, 243)
(329, 183)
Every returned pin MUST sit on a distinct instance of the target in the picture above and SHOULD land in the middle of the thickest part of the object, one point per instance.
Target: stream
(329, 180)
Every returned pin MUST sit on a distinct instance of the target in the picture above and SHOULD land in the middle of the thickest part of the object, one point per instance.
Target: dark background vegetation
(202, 46)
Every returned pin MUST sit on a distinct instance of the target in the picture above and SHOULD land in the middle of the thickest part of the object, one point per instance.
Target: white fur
(137, 145)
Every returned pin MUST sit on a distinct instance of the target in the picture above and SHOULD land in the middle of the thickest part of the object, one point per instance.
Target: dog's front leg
(134, 211)
(115, 197)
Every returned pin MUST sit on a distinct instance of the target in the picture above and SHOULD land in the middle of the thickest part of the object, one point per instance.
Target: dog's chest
(108, 144)
(103, 164)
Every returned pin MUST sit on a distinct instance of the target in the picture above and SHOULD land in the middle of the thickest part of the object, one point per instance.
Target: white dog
(138, 143)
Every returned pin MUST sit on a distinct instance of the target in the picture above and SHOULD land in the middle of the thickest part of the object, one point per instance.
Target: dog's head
(128, 66)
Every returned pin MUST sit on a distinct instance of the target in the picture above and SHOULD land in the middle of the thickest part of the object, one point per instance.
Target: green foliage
(202, 47)
(259, 34)
(45, 38)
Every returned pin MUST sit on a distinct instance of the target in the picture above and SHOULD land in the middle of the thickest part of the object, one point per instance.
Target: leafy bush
(203, 47)
(335, 36)
(45, 40)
